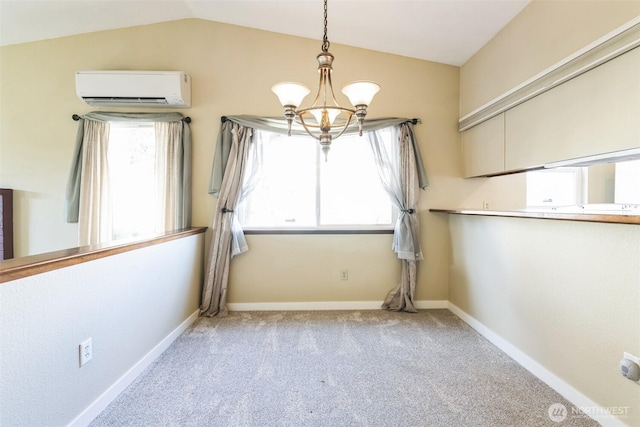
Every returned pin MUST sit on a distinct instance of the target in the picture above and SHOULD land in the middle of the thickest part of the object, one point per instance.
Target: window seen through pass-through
(555, 187)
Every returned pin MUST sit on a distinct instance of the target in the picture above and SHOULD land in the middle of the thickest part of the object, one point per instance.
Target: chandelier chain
(321, 119)
(325, 39)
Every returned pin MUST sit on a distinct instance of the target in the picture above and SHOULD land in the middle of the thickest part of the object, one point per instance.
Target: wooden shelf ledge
(18, 268)
(612, 219)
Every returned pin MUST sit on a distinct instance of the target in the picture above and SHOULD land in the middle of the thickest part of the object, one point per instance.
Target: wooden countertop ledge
(565, 216)
(17, 268)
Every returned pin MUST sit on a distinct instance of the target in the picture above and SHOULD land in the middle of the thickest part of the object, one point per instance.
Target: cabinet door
(483, 148)
(597, 112)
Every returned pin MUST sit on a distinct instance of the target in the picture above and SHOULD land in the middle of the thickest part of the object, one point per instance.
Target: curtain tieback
(225, 210)
(409, 211)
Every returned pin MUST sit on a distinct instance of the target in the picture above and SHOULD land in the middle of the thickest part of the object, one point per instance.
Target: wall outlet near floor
(631, 357)
(630, 367)
(344, 275)
(86, 352)
(485, 205)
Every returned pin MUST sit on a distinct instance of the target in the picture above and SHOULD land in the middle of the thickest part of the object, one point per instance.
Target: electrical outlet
(86, 352)
(485, 205)
(344, 275)
(629, 367)
(631, 357)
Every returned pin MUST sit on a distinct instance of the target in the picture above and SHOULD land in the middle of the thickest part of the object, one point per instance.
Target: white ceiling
(446, 31)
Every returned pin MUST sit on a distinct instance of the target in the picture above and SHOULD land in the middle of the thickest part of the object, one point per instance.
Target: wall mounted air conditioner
(169, 89)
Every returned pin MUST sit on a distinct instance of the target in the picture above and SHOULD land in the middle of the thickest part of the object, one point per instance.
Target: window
(555, 187)
(627, 182)
(130, 176)
(132, 179)
(296, 188)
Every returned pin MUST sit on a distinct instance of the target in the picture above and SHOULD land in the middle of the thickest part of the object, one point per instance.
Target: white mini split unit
(168, 89)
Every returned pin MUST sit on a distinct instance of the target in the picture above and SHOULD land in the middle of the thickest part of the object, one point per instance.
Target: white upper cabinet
(594, 113)
(585, 106)
(483, 148)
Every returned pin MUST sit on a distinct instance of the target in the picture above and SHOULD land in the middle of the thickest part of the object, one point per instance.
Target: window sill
(316, 231)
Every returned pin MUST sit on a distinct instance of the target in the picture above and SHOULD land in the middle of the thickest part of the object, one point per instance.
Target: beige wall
(132, 305)
(601, 183)
(233, 69)
(566, 294)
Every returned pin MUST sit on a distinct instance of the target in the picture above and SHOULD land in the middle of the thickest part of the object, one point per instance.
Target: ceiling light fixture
(319, 119)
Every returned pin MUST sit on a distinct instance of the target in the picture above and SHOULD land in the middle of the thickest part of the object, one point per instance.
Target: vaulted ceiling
(446, 31)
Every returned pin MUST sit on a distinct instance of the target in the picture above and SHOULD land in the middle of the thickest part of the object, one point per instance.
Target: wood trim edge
(316, 231)
(18, 268)
(610, 219)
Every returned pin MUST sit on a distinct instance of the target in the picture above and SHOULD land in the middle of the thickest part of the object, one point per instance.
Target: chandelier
(325, 119)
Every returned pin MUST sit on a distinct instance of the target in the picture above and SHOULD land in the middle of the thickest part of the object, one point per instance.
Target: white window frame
(322, 228)
(580, 186)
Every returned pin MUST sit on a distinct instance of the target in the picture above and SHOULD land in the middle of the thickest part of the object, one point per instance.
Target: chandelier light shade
(290, 94)
(321, 119)
(361, 93)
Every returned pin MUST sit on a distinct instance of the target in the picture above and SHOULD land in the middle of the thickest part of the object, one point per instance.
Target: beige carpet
(340, 368)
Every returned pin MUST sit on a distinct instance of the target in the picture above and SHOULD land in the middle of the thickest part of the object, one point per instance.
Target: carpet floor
(336, 368)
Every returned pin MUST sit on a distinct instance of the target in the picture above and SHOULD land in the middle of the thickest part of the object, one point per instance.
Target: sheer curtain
(170, 157)
(95, 196)
(87, 197)
(402, 175)
(228, 238)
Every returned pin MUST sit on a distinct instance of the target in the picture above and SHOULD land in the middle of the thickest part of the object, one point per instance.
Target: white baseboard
(431, 304)
(325, 305)
(304, 306)
(578, 399)
(123, 382)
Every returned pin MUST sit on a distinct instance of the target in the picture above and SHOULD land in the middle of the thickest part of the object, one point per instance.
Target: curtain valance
(279, 125)
(103, 116)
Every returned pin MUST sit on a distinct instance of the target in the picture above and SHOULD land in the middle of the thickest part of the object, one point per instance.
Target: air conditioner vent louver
(169, 89)
(125, 101)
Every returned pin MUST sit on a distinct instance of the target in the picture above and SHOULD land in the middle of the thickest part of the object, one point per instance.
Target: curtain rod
(413, 121)
(77, 117)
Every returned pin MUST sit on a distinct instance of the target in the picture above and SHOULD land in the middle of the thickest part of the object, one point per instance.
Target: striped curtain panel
(95, 196)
